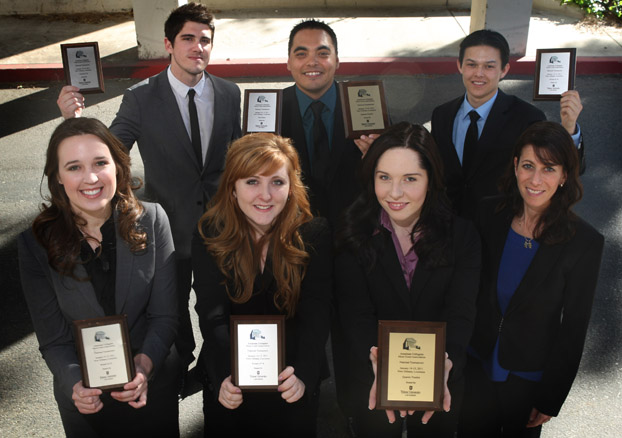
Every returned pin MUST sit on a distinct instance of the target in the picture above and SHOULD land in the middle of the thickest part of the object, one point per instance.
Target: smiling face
(312, 61)
(87, 172)
(190, 52)
(537, 181)
(481, 72)
(262, 197)
(401, 185)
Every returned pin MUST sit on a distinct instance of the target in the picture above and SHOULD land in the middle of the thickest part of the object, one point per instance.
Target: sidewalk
(254, 43)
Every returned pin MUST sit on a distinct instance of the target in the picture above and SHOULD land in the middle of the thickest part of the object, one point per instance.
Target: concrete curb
(275, 67)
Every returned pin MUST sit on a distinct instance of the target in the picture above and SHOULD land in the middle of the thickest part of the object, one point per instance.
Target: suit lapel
(391, 265)
(338, 143)
(498, 235)
(292, 118)
(543, 263)
(419, 282)
(446, 133)
(80, 294)
(219, 119)
(492, 130)
(124, 268)
(177, 126)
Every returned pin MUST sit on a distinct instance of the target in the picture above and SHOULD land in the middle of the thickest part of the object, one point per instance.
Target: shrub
(611, 9)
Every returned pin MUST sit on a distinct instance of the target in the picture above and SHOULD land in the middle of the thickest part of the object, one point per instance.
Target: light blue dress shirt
(462, 122)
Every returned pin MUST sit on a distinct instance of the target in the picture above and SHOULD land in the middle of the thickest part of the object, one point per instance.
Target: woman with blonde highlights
(95, 251)
(259, 251)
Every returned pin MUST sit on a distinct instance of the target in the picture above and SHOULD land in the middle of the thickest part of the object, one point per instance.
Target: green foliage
(600, 8)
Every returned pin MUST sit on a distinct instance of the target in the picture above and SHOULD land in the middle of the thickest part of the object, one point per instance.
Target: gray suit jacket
(149, 115)
(145, 290)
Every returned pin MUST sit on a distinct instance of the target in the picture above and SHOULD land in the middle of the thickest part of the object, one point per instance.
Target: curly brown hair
(228, 235)
(57, 227)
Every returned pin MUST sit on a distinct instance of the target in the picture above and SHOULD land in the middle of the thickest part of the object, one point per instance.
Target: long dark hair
(553, 146)
(57, 226)
(361, 219)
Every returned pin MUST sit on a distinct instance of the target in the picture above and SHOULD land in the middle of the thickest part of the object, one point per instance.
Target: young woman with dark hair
(403, 256)
(540, 265)
(94, 251)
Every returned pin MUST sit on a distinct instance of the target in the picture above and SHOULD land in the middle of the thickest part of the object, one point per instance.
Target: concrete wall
(25, 7)
(28, 7)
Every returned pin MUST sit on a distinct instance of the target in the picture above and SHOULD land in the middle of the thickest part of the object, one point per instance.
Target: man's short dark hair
(311, 24)
(490, 38)
(195, 12)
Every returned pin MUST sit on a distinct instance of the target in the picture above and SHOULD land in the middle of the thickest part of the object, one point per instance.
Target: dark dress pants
(496, 409)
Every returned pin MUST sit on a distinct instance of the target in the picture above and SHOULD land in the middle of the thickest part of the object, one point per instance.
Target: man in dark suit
(473, 167)
(183, 120)
(328, 163)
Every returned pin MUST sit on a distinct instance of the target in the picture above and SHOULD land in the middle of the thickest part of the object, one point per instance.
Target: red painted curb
(22, 73)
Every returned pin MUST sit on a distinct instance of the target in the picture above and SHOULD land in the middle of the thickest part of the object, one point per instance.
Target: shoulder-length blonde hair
(227, 233)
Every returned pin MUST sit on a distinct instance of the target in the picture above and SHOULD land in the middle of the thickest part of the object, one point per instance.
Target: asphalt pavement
(28, 115)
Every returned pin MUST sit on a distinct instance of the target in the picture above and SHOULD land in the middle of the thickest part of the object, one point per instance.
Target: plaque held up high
(555, 73)
(262, 111)
(364, 108)
(83, 67)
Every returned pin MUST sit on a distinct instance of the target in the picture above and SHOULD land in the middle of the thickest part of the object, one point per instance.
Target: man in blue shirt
(499, 118)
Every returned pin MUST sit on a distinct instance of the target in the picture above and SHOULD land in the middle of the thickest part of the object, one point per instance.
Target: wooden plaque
(555, 73)
(411, 365)
(257, 351)
(262, 111)
(364, 108)
(83, 67)
(103, 346)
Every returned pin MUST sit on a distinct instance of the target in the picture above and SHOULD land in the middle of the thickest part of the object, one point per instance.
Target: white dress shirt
(204, 101)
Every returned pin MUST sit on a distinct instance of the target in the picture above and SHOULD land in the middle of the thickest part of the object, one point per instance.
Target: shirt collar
(180, 88)
(385, 221)
(329, 99)
(483, 110)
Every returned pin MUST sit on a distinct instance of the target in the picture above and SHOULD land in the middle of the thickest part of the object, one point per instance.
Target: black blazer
(149, 115)
(446, 293)
(306, 333)
(546, 320)
(508, 118)
(328, 198)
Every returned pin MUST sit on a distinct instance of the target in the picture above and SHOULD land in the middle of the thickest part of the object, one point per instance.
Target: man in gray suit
(183, 120)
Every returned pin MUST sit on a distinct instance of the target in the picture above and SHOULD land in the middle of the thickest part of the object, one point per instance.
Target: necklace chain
(527, 244)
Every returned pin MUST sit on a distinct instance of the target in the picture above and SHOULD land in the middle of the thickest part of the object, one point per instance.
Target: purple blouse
(408, 261)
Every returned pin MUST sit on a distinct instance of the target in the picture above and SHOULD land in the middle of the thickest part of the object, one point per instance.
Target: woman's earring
(561, 185)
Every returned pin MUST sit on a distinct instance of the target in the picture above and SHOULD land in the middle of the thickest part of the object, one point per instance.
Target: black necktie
(321, 151)
(195, 133)
(470, 142)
